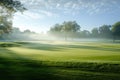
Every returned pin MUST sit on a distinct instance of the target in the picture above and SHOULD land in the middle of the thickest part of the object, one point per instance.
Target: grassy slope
(60, 61)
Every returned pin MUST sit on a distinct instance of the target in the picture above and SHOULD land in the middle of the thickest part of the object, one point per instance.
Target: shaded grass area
(15, 66)
(9, 44)
(33, 70)
(88, 46)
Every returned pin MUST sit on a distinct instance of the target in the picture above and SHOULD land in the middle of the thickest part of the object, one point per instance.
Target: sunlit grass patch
(60, 61)
(90, 52)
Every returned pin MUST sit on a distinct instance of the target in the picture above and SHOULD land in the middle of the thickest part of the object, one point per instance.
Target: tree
(5, 24)
(1, 32)
(27, 31)
(12, 5)
(95, 32)
(7, 9)
(116, 30)
(70, 27)
(105, 31)
(85, 34)
(56, 28)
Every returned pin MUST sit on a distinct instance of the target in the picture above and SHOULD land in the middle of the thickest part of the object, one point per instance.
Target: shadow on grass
(24, 70)
(9, 44)
(32, 70)
(18, 67)
(93, 48)
(47, 47)
(51, 47)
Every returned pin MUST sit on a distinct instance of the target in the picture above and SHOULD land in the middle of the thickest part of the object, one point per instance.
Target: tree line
(17, 34)
(71, 29)
(68, 29)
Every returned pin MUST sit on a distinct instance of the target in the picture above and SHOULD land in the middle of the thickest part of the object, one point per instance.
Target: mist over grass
(38, 56)
(64, 52)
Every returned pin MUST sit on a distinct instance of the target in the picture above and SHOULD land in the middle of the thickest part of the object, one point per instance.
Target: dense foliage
(7, 9)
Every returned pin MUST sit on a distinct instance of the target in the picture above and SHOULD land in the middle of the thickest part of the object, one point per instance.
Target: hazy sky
(42, 14)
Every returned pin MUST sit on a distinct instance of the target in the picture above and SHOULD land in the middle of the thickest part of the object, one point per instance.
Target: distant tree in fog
(56, 28)
(85, 34)
(116, 30)
(105, 31)
(70, 28)
(66, 28)
(95, 32)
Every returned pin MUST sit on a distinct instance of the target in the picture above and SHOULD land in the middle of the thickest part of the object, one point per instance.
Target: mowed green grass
(69, 51)
(58, 60)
